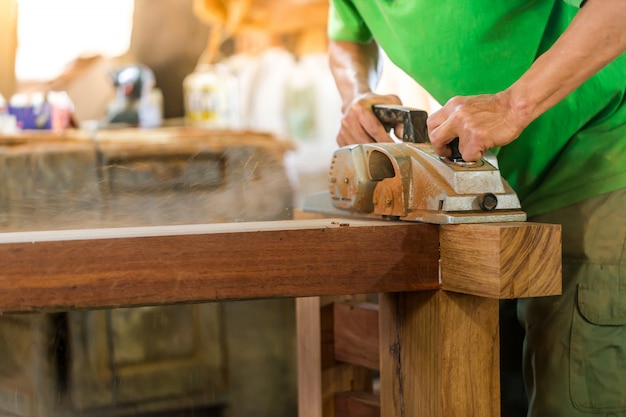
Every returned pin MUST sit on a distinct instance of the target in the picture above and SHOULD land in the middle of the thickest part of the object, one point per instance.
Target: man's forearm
(596, 36)
(355, 68)
(356, 71)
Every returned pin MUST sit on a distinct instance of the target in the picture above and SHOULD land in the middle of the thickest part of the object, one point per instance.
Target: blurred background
(160, 112)
(275, 49)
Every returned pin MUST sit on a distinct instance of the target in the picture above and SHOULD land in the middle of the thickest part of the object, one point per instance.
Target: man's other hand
(360, 125)
(480, 122)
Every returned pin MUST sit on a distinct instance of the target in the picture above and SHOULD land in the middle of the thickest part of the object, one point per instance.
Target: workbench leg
(320, 376)
(439, 354)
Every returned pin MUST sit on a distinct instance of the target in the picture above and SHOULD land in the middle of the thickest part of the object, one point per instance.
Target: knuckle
(394, 99)
(455, 101)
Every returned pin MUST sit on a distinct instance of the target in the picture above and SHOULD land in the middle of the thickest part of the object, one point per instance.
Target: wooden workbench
(439, 286)
(138, 360)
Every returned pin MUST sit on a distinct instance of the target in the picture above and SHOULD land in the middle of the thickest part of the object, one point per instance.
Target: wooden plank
(507, 260)
(164, 265)
(356, 334)
(161, 265)
(357, 404)
(320, 377)
(439, 355)
(308, 345)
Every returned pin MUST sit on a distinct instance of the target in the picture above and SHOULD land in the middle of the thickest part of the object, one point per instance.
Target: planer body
(408, 181)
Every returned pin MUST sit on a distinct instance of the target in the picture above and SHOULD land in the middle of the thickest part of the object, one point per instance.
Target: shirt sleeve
(575, 3)
(345, 23)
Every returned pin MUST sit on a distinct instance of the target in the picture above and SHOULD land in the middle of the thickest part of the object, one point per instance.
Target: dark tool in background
(133, 105)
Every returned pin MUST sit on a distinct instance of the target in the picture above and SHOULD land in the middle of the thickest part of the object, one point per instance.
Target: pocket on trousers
(598, 350)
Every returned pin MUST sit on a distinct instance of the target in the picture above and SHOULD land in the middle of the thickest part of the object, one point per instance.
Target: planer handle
(414, 126)
(412, 120)
(456, 154)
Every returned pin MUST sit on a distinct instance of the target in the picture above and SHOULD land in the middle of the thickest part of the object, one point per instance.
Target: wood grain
(308, 345)
(356, 334)
(439, 355)
(357, 404)
(505, 260)
(62, 270)
(320, 377)
(97, 268)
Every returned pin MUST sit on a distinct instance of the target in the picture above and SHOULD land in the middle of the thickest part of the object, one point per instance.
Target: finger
(360, 124)
(352, 132)
(470, 153)
(441, 137)
(437, 118)
(345, 138)
(398, 130)
(372, 127)
(391, 99)
(368, 119)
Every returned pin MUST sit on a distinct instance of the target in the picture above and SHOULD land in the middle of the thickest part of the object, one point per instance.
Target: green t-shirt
(574, 151)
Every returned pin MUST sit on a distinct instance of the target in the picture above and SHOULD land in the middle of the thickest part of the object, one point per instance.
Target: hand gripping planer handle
(414, 126)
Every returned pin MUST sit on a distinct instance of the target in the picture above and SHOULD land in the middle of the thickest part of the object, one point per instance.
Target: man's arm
(356, 70)
(355, 67)
(596, 36)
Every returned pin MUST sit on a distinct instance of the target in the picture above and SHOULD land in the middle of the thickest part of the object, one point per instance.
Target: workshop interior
(148, 113)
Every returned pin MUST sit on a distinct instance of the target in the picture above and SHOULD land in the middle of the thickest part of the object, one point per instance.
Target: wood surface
(165, 265)
(320, 377)
(123, 267)
(439, 355)
(356, 333)
(357, 404)
(308, 345)
(502, 260)
(158, 141)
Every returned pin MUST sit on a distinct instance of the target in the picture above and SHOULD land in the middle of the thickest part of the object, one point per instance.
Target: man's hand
(355, 67)
(480, 122)
(594, 38)
(360, 125)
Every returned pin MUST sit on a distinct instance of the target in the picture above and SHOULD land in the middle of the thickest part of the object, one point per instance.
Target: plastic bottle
(61, 109)
(8, 123)
(211, 97)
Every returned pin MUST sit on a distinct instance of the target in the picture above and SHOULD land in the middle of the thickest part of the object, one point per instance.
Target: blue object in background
(32, 116)
(51, 110)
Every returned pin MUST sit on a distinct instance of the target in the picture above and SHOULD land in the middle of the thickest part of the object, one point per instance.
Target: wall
(168, 38)
(8, 46)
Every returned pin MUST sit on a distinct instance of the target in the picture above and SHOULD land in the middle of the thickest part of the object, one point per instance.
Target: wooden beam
(439, 355)
(309, 347)
(61, 270)
(505, 260)
(320, 377)
(164, 265)
(356, 334)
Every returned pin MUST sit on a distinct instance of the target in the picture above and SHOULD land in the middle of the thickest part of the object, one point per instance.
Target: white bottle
(8, 122)
(211, 97)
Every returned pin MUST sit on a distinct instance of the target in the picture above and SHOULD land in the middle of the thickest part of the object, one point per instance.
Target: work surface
(97, 268)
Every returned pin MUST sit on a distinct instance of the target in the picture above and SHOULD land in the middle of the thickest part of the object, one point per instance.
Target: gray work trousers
(573, 357)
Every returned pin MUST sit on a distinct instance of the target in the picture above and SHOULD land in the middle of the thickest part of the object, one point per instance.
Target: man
(543, 84)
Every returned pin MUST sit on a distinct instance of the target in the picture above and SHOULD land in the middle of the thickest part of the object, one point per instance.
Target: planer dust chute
(408, 181)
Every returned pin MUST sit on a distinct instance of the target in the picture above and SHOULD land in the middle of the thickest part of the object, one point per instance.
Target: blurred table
(146, 359)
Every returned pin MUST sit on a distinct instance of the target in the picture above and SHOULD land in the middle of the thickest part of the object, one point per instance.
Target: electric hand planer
(408, 181)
